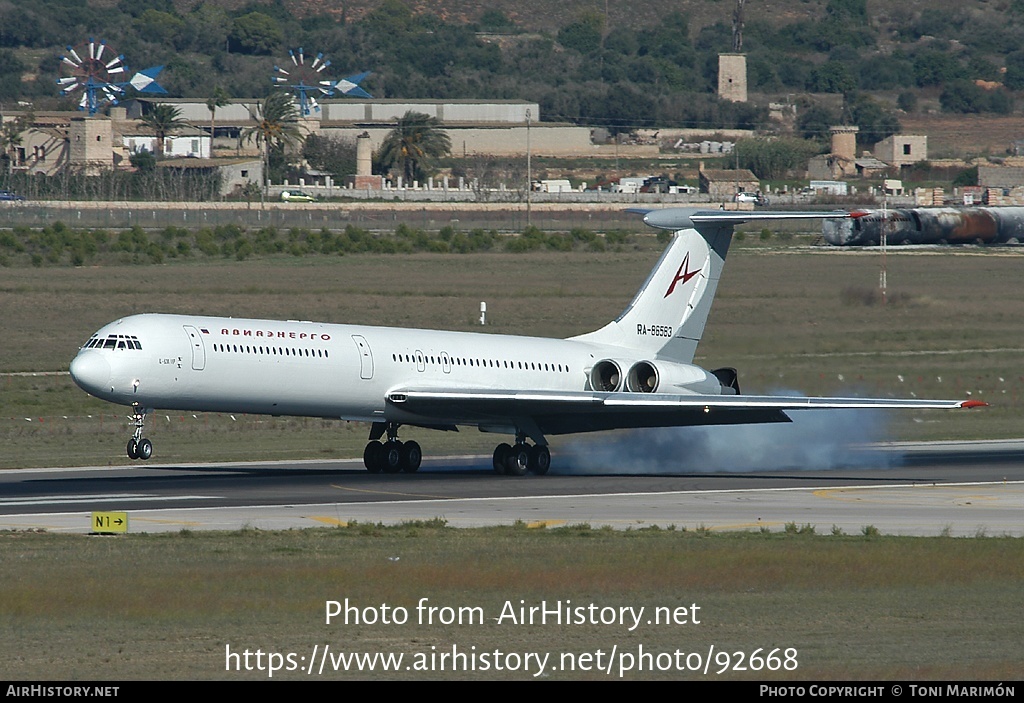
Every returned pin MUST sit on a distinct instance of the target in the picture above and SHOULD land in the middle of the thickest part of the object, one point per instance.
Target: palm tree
(220, 98)
(10, 138)
(277, 126)
(411, 145)
(163, 120)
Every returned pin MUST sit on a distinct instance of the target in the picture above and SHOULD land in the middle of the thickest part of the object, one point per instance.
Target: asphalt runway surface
(959, 489)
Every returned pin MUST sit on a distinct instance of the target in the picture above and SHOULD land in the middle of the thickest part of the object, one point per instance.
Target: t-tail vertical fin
(667, 316)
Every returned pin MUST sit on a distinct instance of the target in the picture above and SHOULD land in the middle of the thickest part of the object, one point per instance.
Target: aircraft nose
(91, 372)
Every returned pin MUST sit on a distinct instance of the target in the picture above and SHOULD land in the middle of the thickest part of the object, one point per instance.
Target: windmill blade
(301, 57)
(118, 69)
(99, 52)
(145, 81)
(92, 45)
(69, 62)
(67, 81)
(281, 70)
(74, 55)
(114, 61)
(350, 86)
(292, 54)
(316, 61)
(324, 65)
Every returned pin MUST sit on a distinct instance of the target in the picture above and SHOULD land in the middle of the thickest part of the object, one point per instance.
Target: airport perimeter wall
(371, 216)
(380, 216)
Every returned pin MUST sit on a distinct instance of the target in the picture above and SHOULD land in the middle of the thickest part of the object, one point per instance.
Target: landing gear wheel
(133, 449)
(540, 459)
(144, 449)
(501, 453)
(518, 460)
(412, 455)
(372, 456)
(391, 457)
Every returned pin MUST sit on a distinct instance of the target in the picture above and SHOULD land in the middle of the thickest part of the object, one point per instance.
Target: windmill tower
(732, 67)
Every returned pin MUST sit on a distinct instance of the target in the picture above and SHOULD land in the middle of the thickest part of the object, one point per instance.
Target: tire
(133, 449)
(372, 456)
(391, 457)
(501, 453)
(145, 449)
(540, 459)
(412, 456)
(518, 460)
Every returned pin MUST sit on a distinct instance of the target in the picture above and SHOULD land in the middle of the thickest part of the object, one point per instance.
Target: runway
(958, 489)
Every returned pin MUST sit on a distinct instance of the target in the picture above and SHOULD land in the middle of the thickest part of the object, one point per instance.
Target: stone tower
(732, 77)
(844, 141)
(91, 148)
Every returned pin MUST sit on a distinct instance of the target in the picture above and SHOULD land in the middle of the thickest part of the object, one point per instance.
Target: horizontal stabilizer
(685, 217)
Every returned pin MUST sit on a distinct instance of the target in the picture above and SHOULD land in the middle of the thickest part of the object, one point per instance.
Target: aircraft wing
(555, 412)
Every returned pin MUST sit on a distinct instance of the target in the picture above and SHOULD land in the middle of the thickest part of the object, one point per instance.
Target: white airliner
(634, 372)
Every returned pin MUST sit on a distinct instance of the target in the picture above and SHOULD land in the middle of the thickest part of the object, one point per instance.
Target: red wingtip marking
(859, 213)
(974, 404)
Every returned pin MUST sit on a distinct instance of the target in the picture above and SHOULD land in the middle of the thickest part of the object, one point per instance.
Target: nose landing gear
(138, 446)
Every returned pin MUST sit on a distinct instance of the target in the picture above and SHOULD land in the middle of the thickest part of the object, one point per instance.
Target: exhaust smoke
(815, 440)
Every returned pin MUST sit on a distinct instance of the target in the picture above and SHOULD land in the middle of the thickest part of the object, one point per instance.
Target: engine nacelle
(607, 375)
(666, 377)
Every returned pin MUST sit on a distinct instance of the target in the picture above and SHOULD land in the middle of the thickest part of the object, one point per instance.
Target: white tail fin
(667, 316)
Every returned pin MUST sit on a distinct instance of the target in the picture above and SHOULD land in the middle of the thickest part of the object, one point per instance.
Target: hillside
(616, 65)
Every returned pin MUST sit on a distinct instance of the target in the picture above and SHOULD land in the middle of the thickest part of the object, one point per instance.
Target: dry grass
(161, 607)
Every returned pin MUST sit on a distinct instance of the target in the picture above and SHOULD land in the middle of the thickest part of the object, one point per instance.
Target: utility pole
(529, 173)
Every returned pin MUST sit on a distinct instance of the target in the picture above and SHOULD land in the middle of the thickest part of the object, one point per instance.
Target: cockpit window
(115, 341)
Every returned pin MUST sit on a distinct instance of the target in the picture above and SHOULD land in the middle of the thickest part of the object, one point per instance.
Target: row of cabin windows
(272, 351)
(114, 341)
(481, 363)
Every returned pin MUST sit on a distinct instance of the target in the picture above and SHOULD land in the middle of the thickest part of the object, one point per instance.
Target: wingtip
(974, 404)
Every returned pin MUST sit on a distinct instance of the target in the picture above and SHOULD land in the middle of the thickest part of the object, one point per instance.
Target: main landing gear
(391, 456)
(517, 460)
(138, 446)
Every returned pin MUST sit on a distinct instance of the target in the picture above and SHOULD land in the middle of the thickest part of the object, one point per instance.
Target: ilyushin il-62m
(945, 225)
(636, 371)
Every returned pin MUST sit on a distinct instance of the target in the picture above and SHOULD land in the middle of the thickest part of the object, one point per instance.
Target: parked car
(296, 196)
(755, 198)
(8, 195)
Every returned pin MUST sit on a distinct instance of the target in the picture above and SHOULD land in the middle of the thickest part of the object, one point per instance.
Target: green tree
(876, 122)
(583, 35)
(964, 97)
(255, 33)
(771, 158)
(163, 120)
(334, 155)
(933, 67)
(11, 69)
(277, 127)
(815, 121)
(832, 77)
(1014, 78)
(411, 145)
(10, 138)
(219, 98)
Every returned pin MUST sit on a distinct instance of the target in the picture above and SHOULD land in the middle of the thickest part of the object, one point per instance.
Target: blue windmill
(308, 81)
(98, 72)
